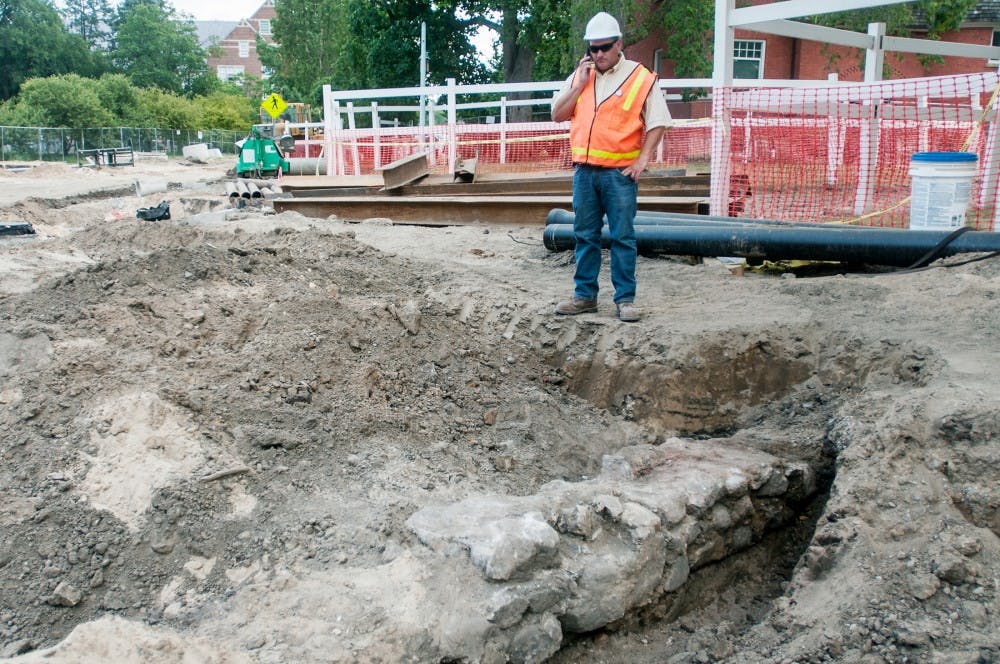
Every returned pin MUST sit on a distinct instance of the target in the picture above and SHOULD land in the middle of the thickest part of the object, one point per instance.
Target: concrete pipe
(147, 187)
(306, 166)
(231, 191)
(242, 188)
(254, 190)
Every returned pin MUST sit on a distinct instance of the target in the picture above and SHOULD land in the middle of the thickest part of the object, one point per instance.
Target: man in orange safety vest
(617, 118)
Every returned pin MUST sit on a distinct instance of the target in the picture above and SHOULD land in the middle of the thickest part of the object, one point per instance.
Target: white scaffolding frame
(773, 19)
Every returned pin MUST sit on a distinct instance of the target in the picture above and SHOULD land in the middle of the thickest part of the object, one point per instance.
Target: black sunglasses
(603, 48)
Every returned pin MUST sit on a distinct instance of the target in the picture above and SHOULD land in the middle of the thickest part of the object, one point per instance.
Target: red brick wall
(816, 62)
(786, 58)
(246, 31)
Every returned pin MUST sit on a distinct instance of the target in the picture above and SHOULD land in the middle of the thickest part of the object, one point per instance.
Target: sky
(231, 10)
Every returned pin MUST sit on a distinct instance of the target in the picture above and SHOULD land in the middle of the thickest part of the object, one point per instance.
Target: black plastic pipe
(642, 218)
(873, 246)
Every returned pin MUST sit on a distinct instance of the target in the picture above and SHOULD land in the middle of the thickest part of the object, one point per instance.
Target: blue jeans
(600, 192)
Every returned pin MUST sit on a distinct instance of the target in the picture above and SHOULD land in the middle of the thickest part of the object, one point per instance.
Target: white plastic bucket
(941, 188)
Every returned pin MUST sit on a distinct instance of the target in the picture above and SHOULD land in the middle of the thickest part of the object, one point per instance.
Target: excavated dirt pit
(239, 437)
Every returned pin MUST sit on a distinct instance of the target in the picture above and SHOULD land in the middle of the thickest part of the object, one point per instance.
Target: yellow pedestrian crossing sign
(274, 105)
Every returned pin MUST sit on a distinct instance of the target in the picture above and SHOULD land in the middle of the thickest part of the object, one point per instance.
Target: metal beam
(441, 185)
(405, 170)
(819, 33)
(457, 210)
(798, 8)
(501, 188)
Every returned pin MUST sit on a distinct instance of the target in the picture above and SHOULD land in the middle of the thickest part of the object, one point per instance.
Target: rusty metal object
(456, 210)
(404, 171)
(441, 185)
(465, 170)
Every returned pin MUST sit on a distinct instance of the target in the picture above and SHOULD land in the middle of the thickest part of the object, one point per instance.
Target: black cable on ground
(533, 244)
(937, 250)
(992, 254)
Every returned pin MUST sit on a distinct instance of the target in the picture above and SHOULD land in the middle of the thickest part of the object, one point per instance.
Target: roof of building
(985, 11)
(213, 32)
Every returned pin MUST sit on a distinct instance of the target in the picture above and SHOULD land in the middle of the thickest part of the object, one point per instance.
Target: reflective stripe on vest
(610, 133)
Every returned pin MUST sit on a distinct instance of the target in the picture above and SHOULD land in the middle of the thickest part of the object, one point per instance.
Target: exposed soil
(215, 429)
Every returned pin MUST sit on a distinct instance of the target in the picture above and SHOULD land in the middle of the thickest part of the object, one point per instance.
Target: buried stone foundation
(578, 556)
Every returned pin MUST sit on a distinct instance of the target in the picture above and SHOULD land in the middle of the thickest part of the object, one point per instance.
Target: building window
(996, 38)
(244, 49)
(265, 27)
(659, 62)
(226, 72)
(748, 58)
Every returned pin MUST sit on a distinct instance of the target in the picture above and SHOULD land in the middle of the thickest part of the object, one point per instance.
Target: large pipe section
(874, 246)
(644, 218)
(306, 166)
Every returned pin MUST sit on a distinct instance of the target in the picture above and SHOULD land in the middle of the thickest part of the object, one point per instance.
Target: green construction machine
(261, 157)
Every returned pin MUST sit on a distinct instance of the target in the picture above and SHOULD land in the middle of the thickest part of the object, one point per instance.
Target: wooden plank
(454, 210)
(405, 170)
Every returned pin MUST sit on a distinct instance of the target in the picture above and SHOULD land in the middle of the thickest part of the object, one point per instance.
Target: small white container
(941, 189)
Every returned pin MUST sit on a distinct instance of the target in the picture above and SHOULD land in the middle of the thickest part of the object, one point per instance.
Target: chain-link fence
(56, 144)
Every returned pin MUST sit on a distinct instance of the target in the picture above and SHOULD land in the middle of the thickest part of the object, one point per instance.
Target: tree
(311, 34)
(543, 39)
(225, 111)
(157, 108)
(35, 43)
(353, 44)
(389, 53)
(154, 48)
(67, 100)
(118, 96)
(91, 19)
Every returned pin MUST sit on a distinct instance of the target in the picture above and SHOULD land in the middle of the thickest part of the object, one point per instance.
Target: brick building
(760, 55)
(238, 39)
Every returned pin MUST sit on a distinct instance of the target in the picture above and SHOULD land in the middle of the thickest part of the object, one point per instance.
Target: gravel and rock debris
(265, 438)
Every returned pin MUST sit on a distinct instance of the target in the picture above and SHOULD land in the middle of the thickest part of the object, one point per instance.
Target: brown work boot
(576, 306)
(628, 312)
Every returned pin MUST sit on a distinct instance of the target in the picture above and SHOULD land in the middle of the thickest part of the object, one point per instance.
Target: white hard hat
(602, 26)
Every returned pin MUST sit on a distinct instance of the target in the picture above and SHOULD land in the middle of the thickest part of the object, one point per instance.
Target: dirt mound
(219, 432)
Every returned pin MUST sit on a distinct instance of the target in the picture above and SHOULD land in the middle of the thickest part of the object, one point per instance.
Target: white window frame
(244, 47)
(264, 27)
(226, 72)
(744, 45)
(658, 60)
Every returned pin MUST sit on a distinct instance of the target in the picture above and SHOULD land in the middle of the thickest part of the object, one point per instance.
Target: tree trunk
(518, 64)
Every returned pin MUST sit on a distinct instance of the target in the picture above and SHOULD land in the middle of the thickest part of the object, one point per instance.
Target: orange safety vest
(610, 133)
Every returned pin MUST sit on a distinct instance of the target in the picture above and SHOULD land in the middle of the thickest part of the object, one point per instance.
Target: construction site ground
(240, 436)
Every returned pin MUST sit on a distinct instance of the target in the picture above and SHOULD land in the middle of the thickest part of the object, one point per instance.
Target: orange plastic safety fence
(843, 154)
(825, 154)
